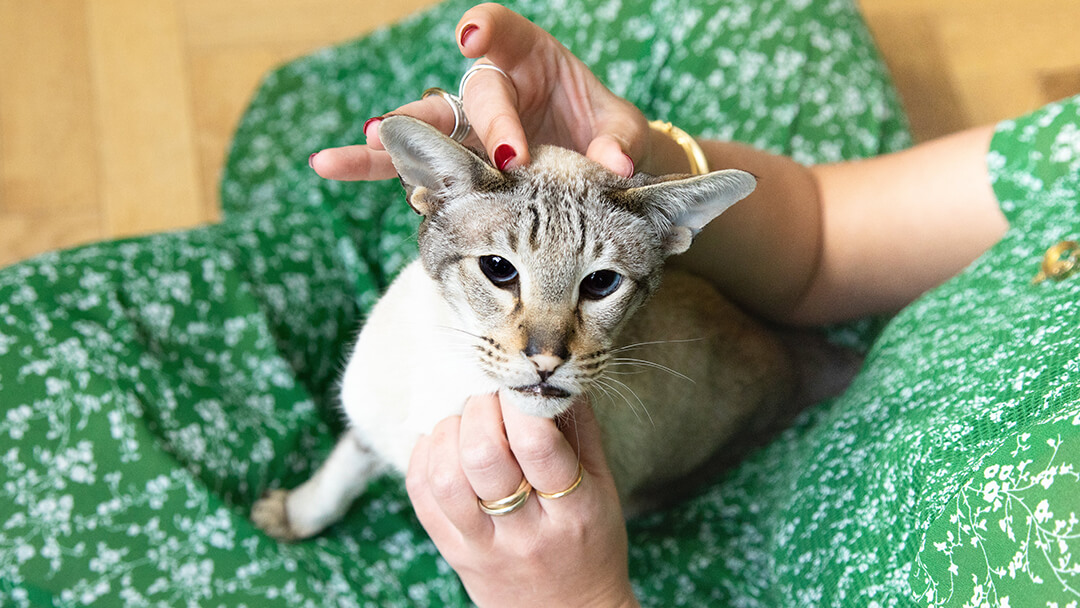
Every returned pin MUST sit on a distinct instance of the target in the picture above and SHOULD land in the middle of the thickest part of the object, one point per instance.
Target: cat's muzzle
(543, 389)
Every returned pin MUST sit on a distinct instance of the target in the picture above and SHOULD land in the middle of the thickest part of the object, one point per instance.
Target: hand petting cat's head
(543, 265)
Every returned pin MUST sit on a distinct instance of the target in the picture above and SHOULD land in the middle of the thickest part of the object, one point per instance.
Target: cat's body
(544, 285)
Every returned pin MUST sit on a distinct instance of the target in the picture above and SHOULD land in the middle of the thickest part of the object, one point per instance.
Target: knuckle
(415, 482)
(482, 456)
(537, 448)
(444, 484)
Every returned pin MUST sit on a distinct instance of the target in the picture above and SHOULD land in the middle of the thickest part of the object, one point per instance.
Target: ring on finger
(505, 506)
(477, 67)
(573, 486)
(461, 123)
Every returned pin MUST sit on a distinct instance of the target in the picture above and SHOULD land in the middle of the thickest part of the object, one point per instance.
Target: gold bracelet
(699, 165)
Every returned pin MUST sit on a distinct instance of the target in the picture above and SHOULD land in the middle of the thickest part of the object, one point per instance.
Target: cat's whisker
(626, 399)
(604, 391)
(652, 364)
(610, 393)
(452, 329)
(640, 402)
(653, 343)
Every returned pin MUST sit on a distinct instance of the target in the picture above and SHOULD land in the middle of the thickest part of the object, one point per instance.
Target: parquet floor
(115, 114)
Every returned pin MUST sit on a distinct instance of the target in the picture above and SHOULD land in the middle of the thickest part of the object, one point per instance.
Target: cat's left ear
(433, 168)
(685, 205)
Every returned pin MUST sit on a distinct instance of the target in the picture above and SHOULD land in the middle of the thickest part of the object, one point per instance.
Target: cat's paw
(271, 515)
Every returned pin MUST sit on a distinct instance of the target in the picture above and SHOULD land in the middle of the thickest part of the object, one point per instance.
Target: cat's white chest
(411, 367)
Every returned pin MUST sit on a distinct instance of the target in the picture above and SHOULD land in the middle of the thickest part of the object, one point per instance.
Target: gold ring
(573, 486)
(505, 506)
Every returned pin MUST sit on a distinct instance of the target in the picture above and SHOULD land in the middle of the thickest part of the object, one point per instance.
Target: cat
(543, 284)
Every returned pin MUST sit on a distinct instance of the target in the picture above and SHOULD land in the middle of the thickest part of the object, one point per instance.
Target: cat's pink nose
(546, 365)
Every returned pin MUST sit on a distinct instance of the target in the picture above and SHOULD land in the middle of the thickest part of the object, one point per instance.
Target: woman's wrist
(663, 155)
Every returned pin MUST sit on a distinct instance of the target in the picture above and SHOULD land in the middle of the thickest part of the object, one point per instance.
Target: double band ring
(507, 505)
(461, 123)
(573, 486)
(477, 67)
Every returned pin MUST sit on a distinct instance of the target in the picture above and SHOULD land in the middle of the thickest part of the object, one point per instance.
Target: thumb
(621, 137)
(607, 151)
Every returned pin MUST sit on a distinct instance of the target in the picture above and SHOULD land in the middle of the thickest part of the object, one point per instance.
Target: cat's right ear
(433, 168)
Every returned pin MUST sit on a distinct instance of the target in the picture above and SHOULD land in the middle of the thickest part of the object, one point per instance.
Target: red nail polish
(311, 160)
(503, 155)
(631, 165)
(467, 31)
(369, 122)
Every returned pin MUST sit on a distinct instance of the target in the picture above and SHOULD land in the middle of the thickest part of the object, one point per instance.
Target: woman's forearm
(764, 251)
(828, 243)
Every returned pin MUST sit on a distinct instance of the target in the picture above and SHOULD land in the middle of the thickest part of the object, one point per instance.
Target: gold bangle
(699, 165)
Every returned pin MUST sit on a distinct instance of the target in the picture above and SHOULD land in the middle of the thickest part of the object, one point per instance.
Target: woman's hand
(547, 96)
(568, 551)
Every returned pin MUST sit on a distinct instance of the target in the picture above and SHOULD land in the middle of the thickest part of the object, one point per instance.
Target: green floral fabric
(151, 389)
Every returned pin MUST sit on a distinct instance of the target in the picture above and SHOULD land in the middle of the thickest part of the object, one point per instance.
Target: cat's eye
(600, 284)
(498, 270)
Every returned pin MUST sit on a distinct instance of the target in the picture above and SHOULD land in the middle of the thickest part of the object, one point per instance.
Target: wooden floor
(115, 114)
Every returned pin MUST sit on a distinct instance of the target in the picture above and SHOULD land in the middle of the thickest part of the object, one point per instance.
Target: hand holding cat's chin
(532, 401)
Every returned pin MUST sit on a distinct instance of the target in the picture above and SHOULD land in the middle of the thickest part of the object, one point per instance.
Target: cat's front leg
(322, 500)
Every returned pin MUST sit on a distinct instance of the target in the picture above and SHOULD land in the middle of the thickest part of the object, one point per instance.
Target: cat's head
(544, 264)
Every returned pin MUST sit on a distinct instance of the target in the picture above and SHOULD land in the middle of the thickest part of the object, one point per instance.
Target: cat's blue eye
(600, 284)
(498, 270)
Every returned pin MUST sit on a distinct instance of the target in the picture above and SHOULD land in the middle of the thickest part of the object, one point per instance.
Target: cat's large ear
(432, 167)
(683, 206)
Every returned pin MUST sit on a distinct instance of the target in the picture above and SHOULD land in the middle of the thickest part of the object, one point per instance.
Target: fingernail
(503, 155)
(371, 121)
(311, 160)
(467, 31)
(631, 174)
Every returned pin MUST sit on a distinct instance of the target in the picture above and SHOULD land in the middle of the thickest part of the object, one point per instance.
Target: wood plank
(47, 137)
(26, 234)
(148, 165)
(996, 58)
(232, 45)
(910, 45)
(312, 23)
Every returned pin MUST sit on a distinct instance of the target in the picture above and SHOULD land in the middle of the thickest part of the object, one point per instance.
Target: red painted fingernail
(311, 160)
(369, 122)
(503, 155)
(467, 31)
(631, 165)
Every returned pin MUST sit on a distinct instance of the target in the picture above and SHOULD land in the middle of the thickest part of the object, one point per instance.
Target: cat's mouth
(543, 389)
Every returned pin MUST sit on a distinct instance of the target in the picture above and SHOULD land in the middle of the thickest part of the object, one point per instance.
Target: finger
(605, 150)
(433, 110)
(505, 37)
(621, 134)
(582, 431)
(544, 454)
(485, 453)
(491, 105)
(447, 484)
(353, 163)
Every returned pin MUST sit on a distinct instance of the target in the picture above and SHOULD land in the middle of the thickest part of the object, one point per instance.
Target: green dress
(151, 389)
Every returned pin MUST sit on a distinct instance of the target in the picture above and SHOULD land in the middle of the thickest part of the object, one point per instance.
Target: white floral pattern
(151, 389)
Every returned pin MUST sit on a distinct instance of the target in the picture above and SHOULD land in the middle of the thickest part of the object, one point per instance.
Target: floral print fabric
(151, 389)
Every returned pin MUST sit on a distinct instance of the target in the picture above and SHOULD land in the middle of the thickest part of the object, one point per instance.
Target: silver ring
(461, 122)
(476, 67)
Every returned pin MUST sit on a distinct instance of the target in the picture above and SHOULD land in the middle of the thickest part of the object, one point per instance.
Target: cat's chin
(542, 400)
